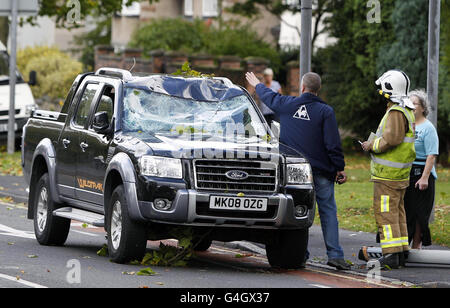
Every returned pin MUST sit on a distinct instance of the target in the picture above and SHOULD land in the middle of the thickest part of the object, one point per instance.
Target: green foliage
(173, 256)
(197, 37)
(187, 71)
(349, 67)
(444, 81)
(251, 8)
(409, 50)
(55, 70)
(101, 35)
(171, 34)
(146, 272)
(103, 252)
(10, 164)
(63, 11)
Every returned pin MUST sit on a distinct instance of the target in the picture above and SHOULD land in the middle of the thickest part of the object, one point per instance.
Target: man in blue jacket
(309, 125)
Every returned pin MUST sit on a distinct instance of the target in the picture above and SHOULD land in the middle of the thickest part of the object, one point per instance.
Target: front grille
(6, 112)
(210, 175)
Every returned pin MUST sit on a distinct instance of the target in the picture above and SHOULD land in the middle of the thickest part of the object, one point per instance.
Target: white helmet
(395, 86)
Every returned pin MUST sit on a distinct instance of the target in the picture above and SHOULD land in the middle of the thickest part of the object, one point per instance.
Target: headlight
(29, 109)
(299, 174)
(161, 167)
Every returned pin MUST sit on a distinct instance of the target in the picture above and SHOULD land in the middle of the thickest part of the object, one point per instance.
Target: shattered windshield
(147, 112)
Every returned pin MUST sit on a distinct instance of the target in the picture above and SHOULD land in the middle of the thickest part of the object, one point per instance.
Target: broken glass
(151, 113)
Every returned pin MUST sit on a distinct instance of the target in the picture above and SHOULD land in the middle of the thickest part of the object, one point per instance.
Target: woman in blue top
(419, 197)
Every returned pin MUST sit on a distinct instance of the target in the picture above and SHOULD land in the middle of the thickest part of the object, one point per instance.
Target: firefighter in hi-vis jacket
(393, 153)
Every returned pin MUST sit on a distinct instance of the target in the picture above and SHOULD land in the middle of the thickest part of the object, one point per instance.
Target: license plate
(4, 127)
(238, 204)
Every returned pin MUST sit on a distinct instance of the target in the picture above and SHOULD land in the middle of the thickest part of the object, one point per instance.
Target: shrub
(197, 37)
(171, 34)
(55, 70)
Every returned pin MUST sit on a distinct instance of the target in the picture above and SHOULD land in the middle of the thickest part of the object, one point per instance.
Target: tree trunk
(4, 29)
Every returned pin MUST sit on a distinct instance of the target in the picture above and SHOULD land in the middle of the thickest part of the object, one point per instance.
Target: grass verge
(10, 164)
(355, 199)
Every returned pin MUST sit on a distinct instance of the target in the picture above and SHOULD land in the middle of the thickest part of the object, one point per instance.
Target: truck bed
(42, 125)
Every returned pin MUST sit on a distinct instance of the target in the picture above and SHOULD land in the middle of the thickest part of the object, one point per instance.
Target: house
(125, 23)
(45, 33)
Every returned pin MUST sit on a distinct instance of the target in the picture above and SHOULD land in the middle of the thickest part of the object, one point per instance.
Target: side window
(106, 102)
(84, 106)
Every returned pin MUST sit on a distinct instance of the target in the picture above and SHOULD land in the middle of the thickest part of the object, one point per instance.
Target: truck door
(68, 148)
(93, 160)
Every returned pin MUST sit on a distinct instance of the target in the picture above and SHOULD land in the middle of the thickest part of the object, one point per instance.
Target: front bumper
(190, 207)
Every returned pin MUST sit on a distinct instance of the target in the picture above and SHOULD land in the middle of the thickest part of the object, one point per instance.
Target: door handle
(65, 143)
(84, 146)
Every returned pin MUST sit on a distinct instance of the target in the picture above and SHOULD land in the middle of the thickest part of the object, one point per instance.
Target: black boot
(403, 256)
(390, 261)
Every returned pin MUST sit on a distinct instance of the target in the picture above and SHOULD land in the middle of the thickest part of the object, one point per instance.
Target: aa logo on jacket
(302, 114)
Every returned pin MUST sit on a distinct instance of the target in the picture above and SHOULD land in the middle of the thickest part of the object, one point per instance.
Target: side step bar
(94, 219)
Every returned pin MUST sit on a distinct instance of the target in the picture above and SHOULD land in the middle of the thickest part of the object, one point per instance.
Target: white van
(25, 103)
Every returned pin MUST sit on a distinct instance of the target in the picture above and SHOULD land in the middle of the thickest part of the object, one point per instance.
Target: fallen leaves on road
(128, 273)
(146, 272)
(103, 252)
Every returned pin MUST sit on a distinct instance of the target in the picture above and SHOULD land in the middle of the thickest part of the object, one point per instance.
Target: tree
(349, 67)
(409, 49)
(70, 14)
(86, 42)
(196, 36)
(250, 8)
(409, 52)
(444, 84)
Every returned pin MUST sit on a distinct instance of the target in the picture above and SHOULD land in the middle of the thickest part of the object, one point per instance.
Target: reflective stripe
(390, 163)
(407, 114)
(387, 230)
(397, 242)
(376, 145)
(384, 204)
(409, 140)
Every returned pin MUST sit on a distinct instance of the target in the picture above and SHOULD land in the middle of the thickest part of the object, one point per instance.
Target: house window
(131, 11)
(210, 8)
(188, 8)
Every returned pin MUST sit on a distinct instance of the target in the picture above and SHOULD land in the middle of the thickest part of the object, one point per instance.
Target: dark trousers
(419, 204)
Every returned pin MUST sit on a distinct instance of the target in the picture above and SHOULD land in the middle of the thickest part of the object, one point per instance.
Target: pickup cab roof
(211, 89)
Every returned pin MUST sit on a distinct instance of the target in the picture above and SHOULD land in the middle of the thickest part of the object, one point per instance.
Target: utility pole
(12, 79)
(433, 57)
(305, 40)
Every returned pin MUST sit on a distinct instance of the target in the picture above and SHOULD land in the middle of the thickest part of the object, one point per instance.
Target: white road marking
(21, 281)
(320, 286)
(84, 233)
(5, 230)
(8, 231)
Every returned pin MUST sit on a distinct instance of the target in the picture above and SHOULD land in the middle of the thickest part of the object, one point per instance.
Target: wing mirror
(101, 122)
(32, 78)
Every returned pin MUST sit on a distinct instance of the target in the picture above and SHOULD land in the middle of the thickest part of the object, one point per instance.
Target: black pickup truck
(141, 155)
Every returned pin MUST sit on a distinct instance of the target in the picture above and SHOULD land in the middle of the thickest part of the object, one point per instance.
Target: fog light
(301, 211)
(162, 204)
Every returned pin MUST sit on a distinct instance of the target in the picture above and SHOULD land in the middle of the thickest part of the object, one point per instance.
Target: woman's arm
(423, 182)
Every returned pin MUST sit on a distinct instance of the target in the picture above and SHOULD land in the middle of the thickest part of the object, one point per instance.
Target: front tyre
(202, 245)
(127, 239)
(49, 229)
(288, 250)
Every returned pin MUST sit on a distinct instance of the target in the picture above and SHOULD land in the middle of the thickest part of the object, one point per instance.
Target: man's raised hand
(252, 79)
